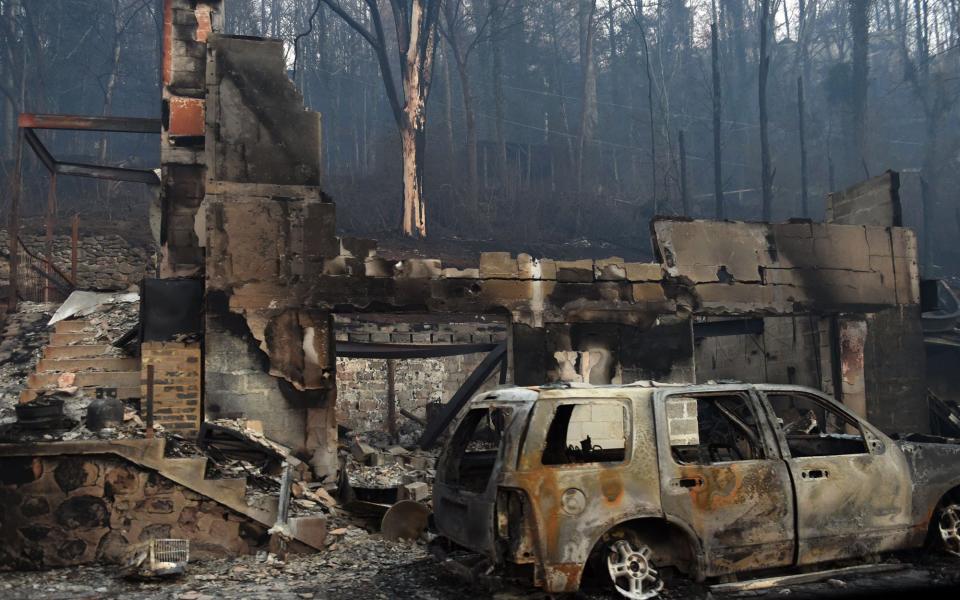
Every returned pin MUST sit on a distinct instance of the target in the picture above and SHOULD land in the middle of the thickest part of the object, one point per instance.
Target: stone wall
(104, 262)
(362, 383)
(69, 510)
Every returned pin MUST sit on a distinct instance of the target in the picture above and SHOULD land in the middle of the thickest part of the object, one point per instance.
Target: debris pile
(24, 336)
(386, 475)
(110, 316)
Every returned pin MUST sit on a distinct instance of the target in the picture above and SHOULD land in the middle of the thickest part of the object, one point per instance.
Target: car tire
(628, 564)
(946, 527)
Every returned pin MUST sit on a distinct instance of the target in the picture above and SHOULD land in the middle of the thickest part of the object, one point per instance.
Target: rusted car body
(713, 479)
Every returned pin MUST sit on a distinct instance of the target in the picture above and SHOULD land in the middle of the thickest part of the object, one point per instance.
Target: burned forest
(479, 298)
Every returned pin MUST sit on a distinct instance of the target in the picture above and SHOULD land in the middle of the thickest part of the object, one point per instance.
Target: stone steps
(75, 365)
(87, 379)
(77, 351)
(73, 349)
(124, 393)
(68, 339)
(74, 326)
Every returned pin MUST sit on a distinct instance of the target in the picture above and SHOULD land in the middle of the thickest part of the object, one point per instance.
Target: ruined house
(832, 305)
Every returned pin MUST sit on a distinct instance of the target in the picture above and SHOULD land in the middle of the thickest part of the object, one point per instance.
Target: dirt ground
(360, 565)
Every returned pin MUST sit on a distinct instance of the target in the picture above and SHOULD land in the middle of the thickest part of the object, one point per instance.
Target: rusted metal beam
(40, 150)
(392, 399)
(13, 224)
(388, 351)
(74, 247)
(468, 389)
(51, 224)
(81, 123)
(111, 173)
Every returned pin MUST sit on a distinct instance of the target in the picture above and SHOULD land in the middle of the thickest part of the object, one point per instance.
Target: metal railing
(40, 280)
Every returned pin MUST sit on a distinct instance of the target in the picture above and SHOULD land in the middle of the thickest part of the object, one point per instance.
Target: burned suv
(707, 480)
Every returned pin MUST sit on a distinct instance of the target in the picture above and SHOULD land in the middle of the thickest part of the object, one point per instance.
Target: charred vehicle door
(576, 464)
(853, 489)
(721, 474)
(469, 470)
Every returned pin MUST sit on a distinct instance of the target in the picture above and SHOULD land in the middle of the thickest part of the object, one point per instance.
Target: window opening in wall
(587, 433)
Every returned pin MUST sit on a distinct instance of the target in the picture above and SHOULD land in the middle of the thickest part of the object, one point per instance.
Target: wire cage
(169, 551)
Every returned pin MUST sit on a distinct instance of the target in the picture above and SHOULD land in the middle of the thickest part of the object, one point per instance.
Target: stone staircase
(74, 349)
(189, 472)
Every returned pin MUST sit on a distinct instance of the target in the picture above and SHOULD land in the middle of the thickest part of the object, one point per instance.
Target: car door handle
(688, 482)
(814, 474)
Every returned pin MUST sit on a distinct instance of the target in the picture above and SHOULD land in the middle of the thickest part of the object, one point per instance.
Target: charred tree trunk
(804, 208)
(858, 28)
(684, 198)
(765, 167)
(470, 122)
(588, 113)
(717, 107)
(495, 14)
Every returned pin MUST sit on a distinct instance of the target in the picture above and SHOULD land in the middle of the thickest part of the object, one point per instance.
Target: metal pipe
(149, 402)
(51, 224)
(392, 399)
(74, 243)
(13, 227)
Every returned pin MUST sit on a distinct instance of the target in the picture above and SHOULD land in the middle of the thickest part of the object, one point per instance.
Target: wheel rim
(949, 525)
(632, 571)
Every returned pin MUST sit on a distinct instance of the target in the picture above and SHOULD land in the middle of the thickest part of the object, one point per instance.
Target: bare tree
(416, 24)
(717, 159)
(859, 24)
(464, 30)
(766, 171)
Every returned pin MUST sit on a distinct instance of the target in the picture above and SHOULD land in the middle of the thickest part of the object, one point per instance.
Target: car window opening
(475, 446)
(586, 433)
(712, 429)
(813, 429)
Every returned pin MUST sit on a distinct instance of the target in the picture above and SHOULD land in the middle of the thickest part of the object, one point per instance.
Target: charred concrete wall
(875, 201)
(70, 510)
(863, 275)
(894, 371)
(794, 350)
(729, 268)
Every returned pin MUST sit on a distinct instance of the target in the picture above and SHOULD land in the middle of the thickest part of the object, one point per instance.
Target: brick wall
(176, 384)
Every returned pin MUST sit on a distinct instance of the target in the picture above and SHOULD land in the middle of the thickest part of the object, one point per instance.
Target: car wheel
(948, 524)
(631, 569)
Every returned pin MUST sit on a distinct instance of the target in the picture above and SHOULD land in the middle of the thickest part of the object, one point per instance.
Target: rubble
(361, 564)
(24, 335)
